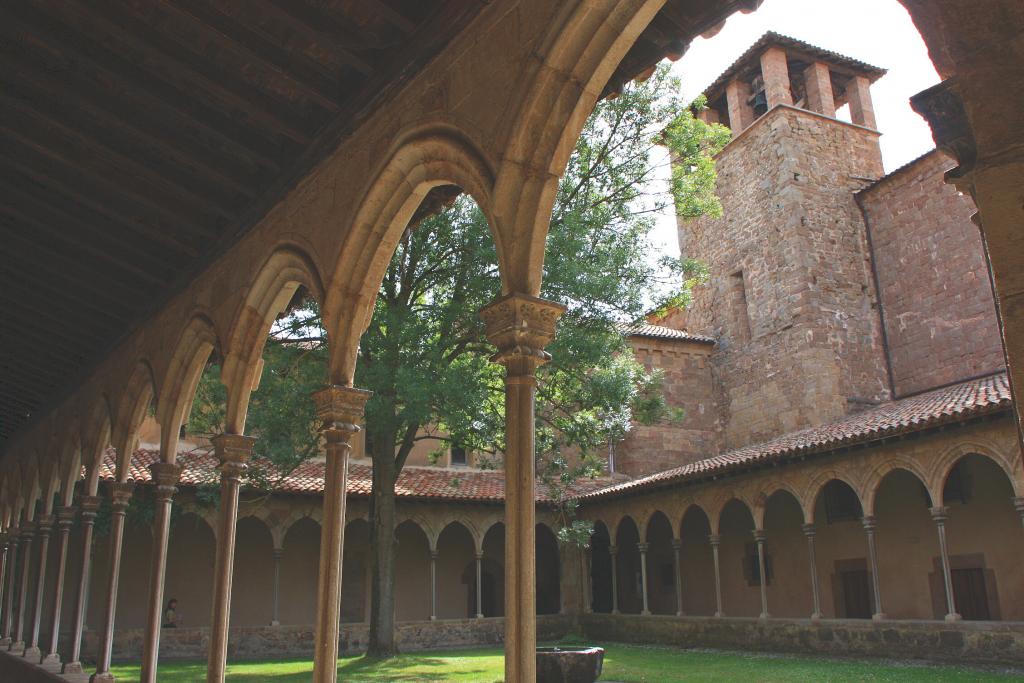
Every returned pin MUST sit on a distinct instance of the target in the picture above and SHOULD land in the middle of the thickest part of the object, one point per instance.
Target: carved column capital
(89, 505)
(340, 410)
(870, 523)
(714, 539)
(760, 536)
(27, 532)
(277, 553)
(642, 547)
(521, 326)
(165, 477)
(66, 516)
(940, 513)
(1018, 504)
(433, 555)
(677, 544)
(808, 530)
(121, 495)
(942, 106)
(44, 525)
(233, 452)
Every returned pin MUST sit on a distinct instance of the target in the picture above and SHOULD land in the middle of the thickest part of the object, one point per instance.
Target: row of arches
(909, 556)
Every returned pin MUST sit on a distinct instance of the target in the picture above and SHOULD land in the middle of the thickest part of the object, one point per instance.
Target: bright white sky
(878, 32)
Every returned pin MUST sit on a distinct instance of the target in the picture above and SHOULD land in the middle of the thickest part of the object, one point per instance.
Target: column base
(680, 613)
(5, 642)
(479, 616)
(719, 615)
(105, 677)
(953, 617)
(73, 668)
(816, 617)
(645, 613)
(764, 616)
(18, 647)
(51, 663)
(615, 611)
(33, 653)
(433, 617)
(275, 622)
(879, 616)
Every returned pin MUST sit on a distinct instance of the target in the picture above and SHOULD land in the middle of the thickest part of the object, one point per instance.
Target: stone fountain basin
(569, 664)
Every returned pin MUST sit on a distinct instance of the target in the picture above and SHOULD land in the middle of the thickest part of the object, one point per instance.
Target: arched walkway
(494, 572)
(456, 572)
(661, 569)
(253, 582)
(697, 563)
(355, 572)
(907, 543)
(600, 570)
(789, 593)
(741, 584)
(627, 567)
(298, 572)
(549, 598)
(190, 555)
(412, 573)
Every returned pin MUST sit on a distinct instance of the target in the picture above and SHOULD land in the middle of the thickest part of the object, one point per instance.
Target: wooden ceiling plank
(392, 16)
(41, 282)
(60, 323)
(52, 134)
(318, 85)
(322, 29)
(183, 69)
(107, 300)
(84, 192)
(68, 222)
(97, 63)
(98, 113)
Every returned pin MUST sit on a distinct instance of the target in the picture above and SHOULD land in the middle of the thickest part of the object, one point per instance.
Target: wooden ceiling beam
(81, 191)
(65, 221)
(98, 113)
(59, 323)
(40, 281)
(42, 379)
(322, 29)
(97, 63)
(180, 68)
(60, 141)
(317, 84)
(392, 16)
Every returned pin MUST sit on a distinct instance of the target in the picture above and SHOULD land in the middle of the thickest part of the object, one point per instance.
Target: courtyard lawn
(626, 663)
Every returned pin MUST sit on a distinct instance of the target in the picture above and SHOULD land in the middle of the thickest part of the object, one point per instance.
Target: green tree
(425, 355)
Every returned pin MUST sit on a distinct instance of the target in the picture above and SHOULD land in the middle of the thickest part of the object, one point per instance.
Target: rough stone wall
(934, 285)
(689, 386)
(790, 298)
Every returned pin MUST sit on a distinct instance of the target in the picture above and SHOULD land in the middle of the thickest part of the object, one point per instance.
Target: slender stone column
(588, 582)
(4, 548)
(479, 586)
(760, 537)
(278, 555)
(340, 409)
(614, 552)
(43, 528)
(939, 515)
(677, 547)
(65, 518)
(165, 477)
(233, 451)
(89, 505)
(642, 547)
(1018, 504)
(809, 532)
(520, 326)
(433, 585)
(12, 571)
(27, 534)
(121, 495)
(869, 528)
(715, 540)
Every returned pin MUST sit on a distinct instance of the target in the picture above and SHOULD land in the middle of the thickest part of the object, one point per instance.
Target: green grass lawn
(627, 663)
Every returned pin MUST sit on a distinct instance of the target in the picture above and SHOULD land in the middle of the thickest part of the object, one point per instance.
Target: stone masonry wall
(688, 385)
(933, 278)
(790, 298)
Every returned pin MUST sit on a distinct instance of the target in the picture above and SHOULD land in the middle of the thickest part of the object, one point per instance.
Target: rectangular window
(459, 458)
(738, 307)
(841, 503)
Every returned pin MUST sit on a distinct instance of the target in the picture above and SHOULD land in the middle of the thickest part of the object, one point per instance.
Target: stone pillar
(479, 586)
(278, 555)
(741, 114)
(26, 565)
(715, 540)
(43, 528)
(939, 515)
(12, 571)
(760, 537)
(520, 326)
(818, 83)
(775, 72)
(89, 506)
(869, 529)
(165, 477)
(858, 94)
(65, 518)
(4, 548)
(1018, 504)
(340, 409)
(614, 552)
(233, 451)
(642, 547)
(121, 494)
(677, 547)
(809, 532)
(433, 585)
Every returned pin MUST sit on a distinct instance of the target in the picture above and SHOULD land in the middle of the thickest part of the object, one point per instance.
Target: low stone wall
(965, 641)
(297, 641)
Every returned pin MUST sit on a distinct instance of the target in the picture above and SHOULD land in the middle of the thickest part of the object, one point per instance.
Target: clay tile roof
(423, 483)
(792, 44)
(957, 402)
(659, 332)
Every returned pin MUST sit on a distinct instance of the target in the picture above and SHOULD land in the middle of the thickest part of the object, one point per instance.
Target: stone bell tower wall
(790, 299)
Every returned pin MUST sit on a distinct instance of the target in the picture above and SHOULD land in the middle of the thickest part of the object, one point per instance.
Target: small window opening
(738, 306)
(841, 503)
(459, 458)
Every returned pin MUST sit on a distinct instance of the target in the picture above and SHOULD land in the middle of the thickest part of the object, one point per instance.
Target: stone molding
(521, 326)
(166, 476)
(66, 516)
(121, 494)
(340, 408)
(89, 505)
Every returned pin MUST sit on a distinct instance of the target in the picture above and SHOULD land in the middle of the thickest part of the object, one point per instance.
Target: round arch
(873, 481)
(456, 572)
(943, 466)
(414, 543)
(549, 572)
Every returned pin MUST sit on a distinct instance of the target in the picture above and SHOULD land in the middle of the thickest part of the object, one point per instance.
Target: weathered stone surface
(569, 665)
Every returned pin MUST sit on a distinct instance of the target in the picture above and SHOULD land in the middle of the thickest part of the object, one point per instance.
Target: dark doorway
(970, 595)
(856, 593)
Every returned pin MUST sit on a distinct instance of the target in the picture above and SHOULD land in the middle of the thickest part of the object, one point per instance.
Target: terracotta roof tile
(949, 404)
(659, 332)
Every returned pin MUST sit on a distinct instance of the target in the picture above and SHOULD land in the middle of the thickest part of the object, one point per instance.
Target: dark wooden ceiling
(140, 138)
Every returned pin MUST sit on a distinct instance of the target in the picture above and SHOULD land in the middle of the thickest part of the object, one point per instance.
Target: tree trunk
(382, 549)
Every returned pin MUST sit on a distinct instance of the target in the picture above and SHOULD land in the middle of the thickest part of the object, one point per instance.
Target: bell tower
(790, 300)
